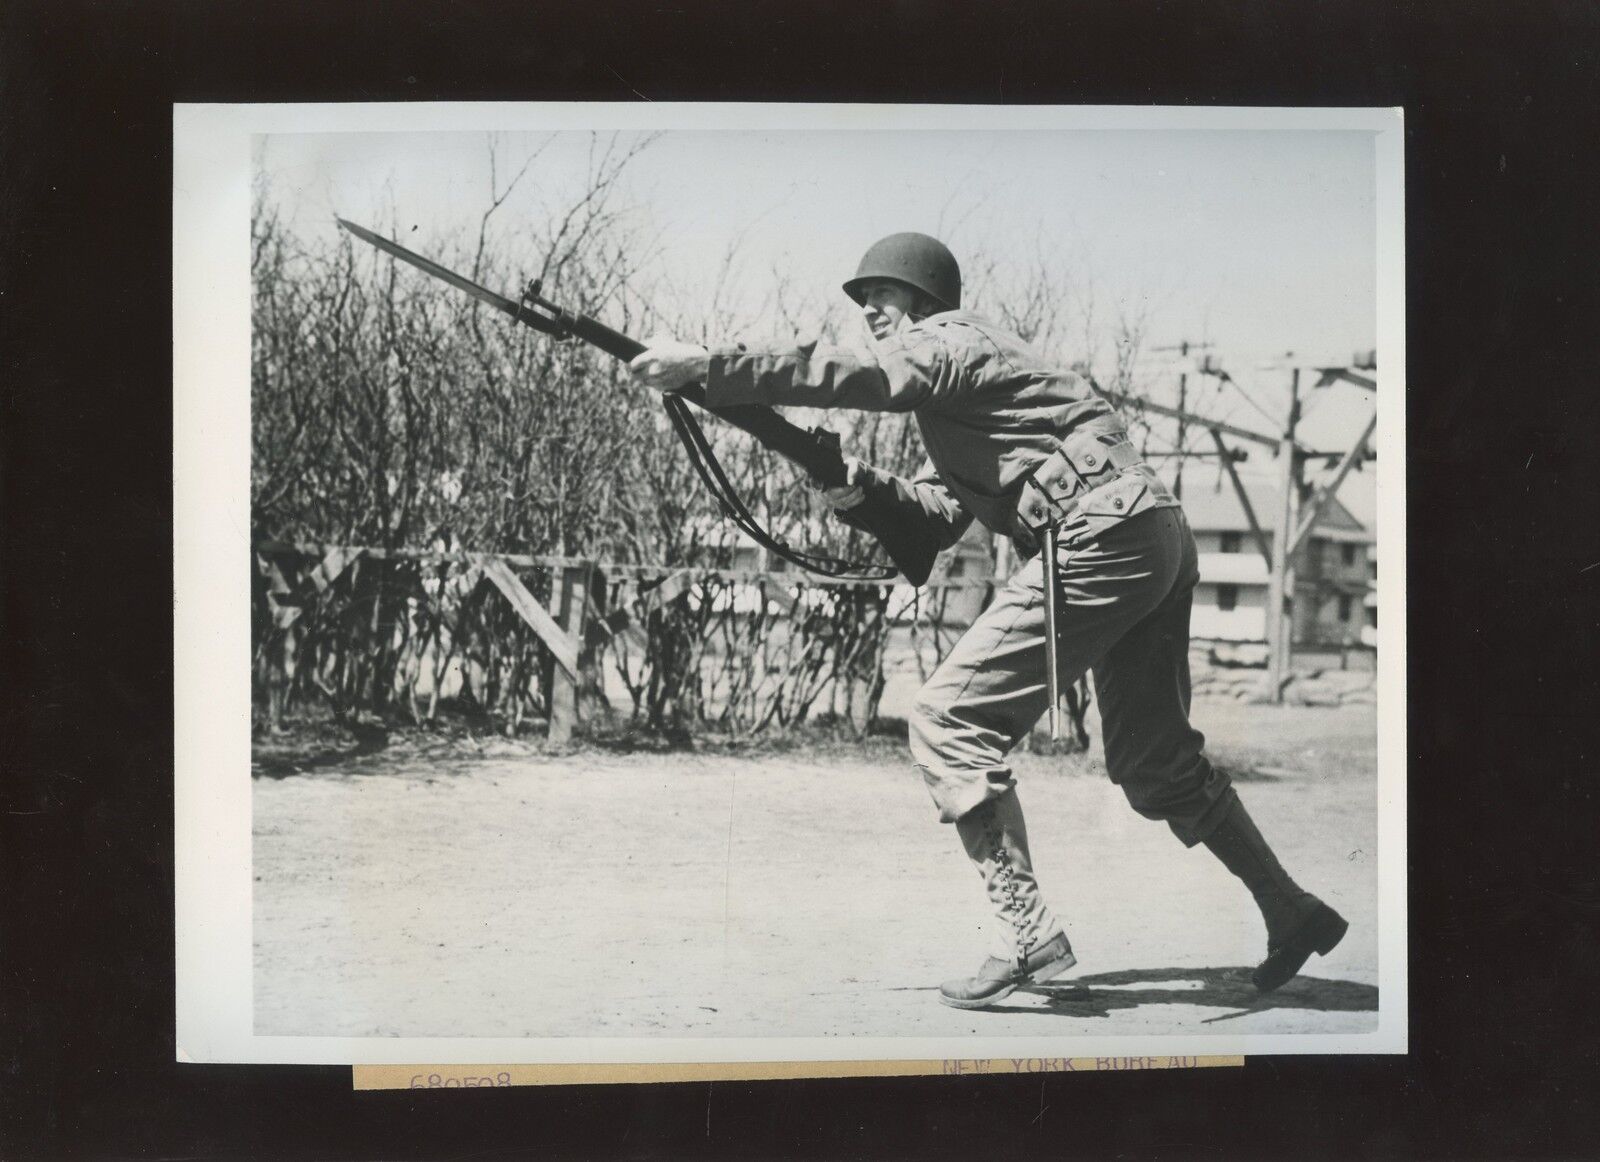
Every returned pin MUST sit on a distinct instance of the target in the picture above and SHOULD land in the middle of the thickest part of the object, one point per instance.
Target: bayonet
(912, 546)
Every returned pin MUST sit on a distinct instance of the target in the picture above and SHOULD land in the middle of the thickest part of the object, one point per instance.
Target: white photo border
(212, 168)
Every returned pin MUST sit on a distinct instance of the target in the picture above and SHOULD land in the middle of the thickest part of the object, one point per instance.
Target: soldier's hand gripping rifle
(910, 545)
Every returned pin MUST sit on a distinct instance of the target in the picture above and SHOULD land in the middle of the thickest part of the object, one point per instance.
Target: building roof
(1214, 508)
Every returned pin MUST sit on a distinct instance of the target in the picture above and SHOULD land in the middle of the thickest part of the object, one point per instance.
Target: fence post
(571, 602)
(594, 633)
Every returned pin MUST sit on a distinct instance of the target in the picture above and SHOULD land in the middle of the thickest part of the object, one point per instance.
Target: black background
(1501, 120)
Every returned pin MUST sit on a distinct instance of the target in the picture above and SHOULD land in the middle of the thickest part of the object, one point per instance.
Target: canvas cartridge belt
(1094, 479)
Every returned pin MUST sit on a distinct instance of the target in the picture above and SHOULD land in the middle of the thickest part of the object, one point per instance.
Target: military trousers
(1126, 597)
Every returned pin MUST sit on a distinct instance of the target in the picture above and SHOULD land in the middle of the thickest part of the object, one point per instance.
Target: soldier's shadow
(1229, 989)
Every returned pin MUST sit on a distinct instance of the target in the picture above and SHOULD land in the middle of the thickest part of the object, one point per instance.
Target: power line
(1277, 421)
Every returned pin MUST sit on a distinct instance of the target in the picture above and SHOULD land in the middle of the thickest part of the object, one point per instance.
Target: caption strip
(481, 1076)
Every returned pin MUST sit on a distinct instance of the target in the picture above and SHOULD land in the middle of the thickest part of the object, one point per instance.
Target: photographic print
(788, 583)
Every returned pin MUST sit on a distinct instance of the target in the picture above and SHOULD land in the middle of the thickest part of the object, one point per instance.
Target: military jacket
(993, 415)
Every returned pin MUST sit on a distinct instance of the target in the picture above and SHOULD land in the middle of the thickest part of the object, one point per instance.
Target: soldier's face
(886, 305)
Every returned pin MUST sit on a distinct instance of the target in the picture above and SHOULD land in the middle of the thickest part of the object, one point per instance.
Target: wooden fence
(399, 630)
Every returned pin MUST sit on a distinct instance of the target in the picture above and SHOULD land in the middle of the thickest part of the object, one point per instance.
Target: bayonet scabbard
(1052, 603)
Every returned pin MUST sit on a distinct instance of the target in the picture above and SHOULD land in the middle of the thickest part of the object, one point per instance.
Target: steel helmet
(914, 259)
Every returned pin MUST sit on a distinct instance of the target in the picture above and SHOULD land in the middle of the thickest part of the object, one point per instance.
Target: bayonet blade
(444, 274)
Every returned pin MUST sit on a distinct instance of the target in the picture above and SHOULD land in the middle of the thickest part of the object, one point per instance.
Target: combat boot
(997, 843)
(1298, 923)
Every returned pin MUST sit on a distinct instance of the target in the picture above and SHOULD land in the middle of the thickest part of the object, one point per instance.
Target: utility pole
(1183, 347)
(1280, 584)
(1183, 430)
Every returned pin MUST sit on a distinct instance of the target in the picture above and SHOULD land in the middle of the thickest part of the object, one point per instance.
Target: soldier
(1023, 445)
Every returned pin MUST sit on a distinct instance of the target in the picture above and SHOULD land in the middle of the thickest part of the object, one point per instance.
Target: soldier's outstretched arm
(906, 371)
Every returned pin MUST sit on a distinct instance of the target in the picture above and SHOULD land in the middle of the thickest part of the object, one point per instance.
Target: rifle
(911, 544)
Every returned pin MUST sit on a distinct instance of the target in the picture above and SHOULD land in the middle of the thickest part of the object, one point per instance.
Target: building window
(1230, 542)
(1347, 554)
(1227, 597)
(1344, 607)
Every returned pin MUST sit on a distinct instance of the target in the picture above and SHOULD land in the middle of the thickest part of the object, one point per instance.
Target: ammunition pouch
(1093, 480)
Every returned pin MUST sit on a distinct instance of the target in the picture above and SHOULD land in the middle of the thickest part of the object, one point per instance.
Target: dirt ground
(805, 894)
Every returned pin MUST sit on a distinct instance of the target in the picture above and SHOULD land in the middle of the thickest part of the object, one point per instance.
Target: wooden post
(1123, 399)
(1264, 545)
(563, 646)
(1181, 413)
(1280, 629)
(592, 641)
(1291, 579)
(1183, 400)
(570, 601)
(564, 649)
(1319, 502)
